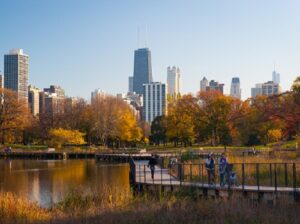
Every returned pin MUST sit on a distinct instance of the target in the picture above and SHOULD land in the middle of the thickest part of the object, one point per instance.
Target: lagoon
(47, 182)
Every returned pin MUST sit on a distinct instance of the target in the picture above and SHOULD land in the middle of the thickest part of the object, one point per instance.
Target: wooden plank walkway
(45, 155)
(163, 177)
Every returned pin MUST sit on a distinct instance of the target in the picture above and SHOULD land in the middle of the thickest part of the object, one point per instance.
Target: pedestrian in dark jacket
(210, 167)
(222, 169)
(151, 164)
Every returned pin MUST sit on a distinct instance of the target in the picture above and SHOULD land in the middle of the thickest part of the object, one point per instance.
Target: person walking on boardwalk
(151, 164)
(210, 167)
(222, 169)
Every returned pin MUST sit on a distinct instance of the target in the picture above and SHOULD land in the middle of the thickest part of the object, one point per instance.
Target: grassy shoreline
(285, 145)
(175, 208)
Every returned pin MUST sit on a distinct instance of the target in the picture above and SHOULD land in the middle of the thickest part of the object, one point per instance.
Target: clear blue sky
(87, 44)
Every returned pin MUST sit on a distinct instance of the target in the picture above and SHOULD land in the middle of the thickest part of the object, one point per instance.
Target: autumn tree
(213, 117)
(146, 131)
(264, 114)
(114, 123)
(274, 135)
(291, 109)
(180, 120)
(59, 137)
(13, 116)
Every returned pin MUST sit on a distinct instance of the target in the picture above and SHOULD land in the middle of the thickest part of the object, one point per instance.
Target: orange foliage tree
(13, 116)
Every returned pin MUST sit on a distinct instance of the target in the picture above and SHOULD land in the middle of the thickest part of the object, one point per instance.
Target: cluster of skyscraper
(152, 95)
(235, 88)
(266, 89)
(147, 98)
(51, 100)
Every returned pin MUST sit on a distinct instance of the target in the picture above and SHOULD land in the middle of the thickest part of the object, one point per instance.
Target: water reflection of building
(36, 187)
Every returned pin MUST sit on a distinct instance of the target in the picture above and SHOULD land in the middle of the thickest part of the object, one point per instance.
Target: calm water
(47, 182)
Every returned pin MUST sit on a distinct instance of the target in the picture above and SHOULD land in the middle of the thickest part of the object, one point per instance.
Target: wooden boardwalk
(164, 178)
(43, 155)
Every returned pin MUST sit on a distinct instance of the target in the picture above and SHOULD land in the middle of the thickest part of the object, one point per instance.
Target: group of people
(225, 170)
(8, 149)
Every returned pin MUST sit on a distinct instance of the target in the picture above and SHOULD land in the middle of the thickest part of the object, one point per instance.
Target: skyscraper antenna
(274, 65)
(138, 37)
(146, 39)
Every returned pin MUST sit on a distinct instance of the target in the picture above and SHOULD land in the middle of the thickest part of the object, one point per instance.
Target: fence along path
(163, 177)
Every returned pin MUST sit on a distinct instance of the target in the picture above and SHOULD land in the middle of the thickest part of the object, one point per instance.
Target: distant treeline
(217, 119)
(208, 118)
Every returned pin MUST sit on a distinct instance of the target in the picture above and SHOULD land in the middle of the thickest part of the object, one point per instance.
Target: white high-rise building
(203, 84)
(16, 72)
(154, 100)
(275, 77)
(173, 81)
(34, 100)
(235, 88)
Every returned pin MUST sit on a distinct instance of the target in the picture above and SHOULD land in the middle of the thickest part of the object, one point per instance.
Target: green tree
(159, 130)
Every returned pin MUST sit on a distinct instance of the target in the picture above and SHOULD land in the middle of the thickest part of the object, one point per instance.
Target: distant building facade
(275, 77)
(1, 80)
(215, 86)
(203, 84)
(154, 100)
(270, 88)
(142, 73)
(70, 103)
(52, 100)
(16, 72)
(34, 100)
(60, 93)
(266, 89)
(235, 88)
(173, 81)
(134, 101)
(97, 94)
(130, 84)
(256, 91)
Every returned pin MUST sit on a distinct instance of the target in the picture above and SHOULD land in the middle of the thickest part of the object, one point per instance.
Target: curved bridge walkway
(281, 178)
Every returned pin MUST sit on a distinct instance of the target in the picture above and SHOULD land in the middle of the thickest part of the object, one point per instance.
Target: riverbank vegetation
(181, 207)
(208, 119)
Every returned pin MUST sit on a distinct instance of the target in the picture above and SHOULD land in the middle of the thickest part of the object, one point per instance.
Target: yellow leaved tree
(274, 135)
(59, 137)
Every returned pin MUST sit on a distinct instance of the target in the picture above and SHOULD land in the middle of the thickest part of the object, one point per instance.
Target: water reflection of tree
(49, 181)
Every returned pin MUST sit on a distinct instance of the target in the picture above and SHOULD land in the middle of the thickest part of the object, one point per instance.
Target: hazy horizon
(84, 45)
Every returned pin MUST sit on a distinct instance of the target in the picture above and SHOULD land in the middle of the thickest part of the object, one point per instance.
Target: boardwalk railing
(247, 174)
(272, 177)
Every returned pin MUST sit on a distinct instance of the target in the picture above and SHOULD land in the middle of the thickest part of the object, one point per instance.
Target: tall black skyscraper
(142, 69)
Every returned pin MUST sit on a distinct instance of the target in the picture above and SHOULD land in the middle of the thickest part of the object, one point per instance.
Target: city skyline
(220, 41)
(142, 64)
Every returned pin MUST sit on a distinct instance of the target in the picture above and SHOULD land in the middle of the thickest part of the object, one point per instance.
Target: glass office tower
(142, 69)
